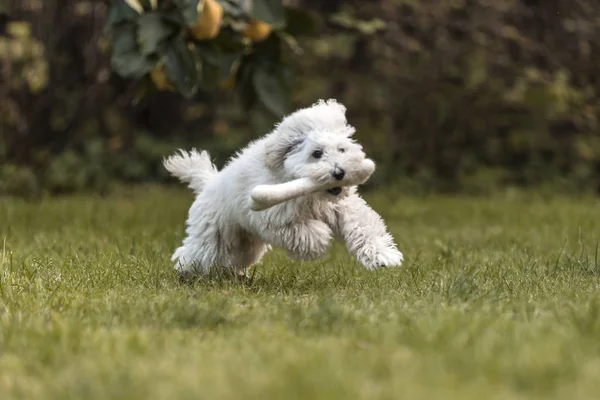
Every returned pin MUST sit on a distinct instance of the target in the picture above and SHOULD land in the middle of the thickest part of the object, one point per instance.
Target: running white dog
(295, 188)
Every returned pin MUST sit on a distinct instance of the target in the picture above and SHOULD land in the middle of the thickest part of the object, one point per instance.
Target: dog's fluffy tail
(193, 168)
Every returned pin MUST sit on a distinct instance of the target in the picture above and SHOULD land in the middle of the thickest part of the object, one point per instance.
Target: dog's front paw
(390, 258)
(387, 257)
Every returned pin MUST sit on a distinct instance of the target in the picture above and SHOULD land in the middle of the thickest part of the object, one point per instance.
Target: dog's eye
(317, 154)
(342, 150)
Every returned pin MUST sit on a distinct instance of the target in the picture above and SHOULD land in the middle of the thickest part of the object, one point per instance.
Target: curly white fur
(223, 229)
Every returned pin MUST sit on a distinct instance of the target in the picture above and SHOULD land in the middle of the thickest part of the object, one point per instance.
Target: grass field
(499, 299)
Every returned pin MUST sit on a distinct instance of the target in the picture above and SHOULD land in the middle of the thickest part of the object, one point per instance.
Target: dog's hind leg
(204, 247)
(213, 248)
(195, 257)
(247, 250)
(365, 234)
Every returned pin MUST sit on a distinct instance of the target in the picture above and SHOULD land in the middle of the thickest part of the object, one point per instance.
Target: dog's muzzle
(338, 173)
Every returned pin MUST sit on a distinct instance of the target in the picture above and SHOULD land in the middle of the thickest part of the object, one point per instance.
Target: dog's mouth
(334, 191)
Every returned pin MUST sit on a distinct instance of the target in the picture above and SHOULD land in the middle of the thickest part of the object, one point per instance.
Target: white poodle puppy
(225, 231)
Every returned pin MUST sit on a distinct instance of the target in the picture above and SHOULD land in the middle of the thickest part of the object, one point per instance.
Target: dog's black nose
(339, 173)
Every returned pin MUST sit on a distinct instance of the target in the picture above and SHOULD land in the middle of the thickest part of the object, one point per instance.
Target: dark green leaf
(188, 9)
(209, 53)
(173, 16)
(152, 31)
(270, 12)
(131, 65)
(216, 65)
(215, 55)
(227, 61)
(236, 8)
(270, 85)
(127, 60)
(124, 39)
(181, 68)
(118, 13)
(229, 40)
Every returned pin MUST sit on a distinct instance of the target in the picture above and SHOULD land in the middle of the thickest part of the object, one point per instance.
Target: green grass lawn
(499, 299)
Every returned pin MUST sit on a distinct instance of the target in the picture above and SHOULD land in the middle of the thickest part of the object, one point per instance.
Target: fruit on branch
(184, 46)
(257, 31)
(209, 23)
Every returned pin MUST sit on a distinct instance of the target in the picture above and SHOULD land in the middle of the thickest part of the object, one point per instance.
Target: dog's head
(316, 143)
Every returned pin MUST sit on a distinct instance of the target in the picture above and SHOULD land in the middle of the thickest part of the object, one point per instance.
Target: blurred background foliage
(446, 95)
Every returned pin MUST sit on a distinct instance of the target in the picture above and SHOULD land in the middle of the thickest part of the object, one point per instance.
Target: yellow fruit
(209, 23)
(159, 77)
(257, 31)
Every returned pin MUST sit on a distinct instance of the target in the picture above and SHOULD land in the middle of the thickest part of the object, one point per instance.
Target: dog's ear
(279, 147)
